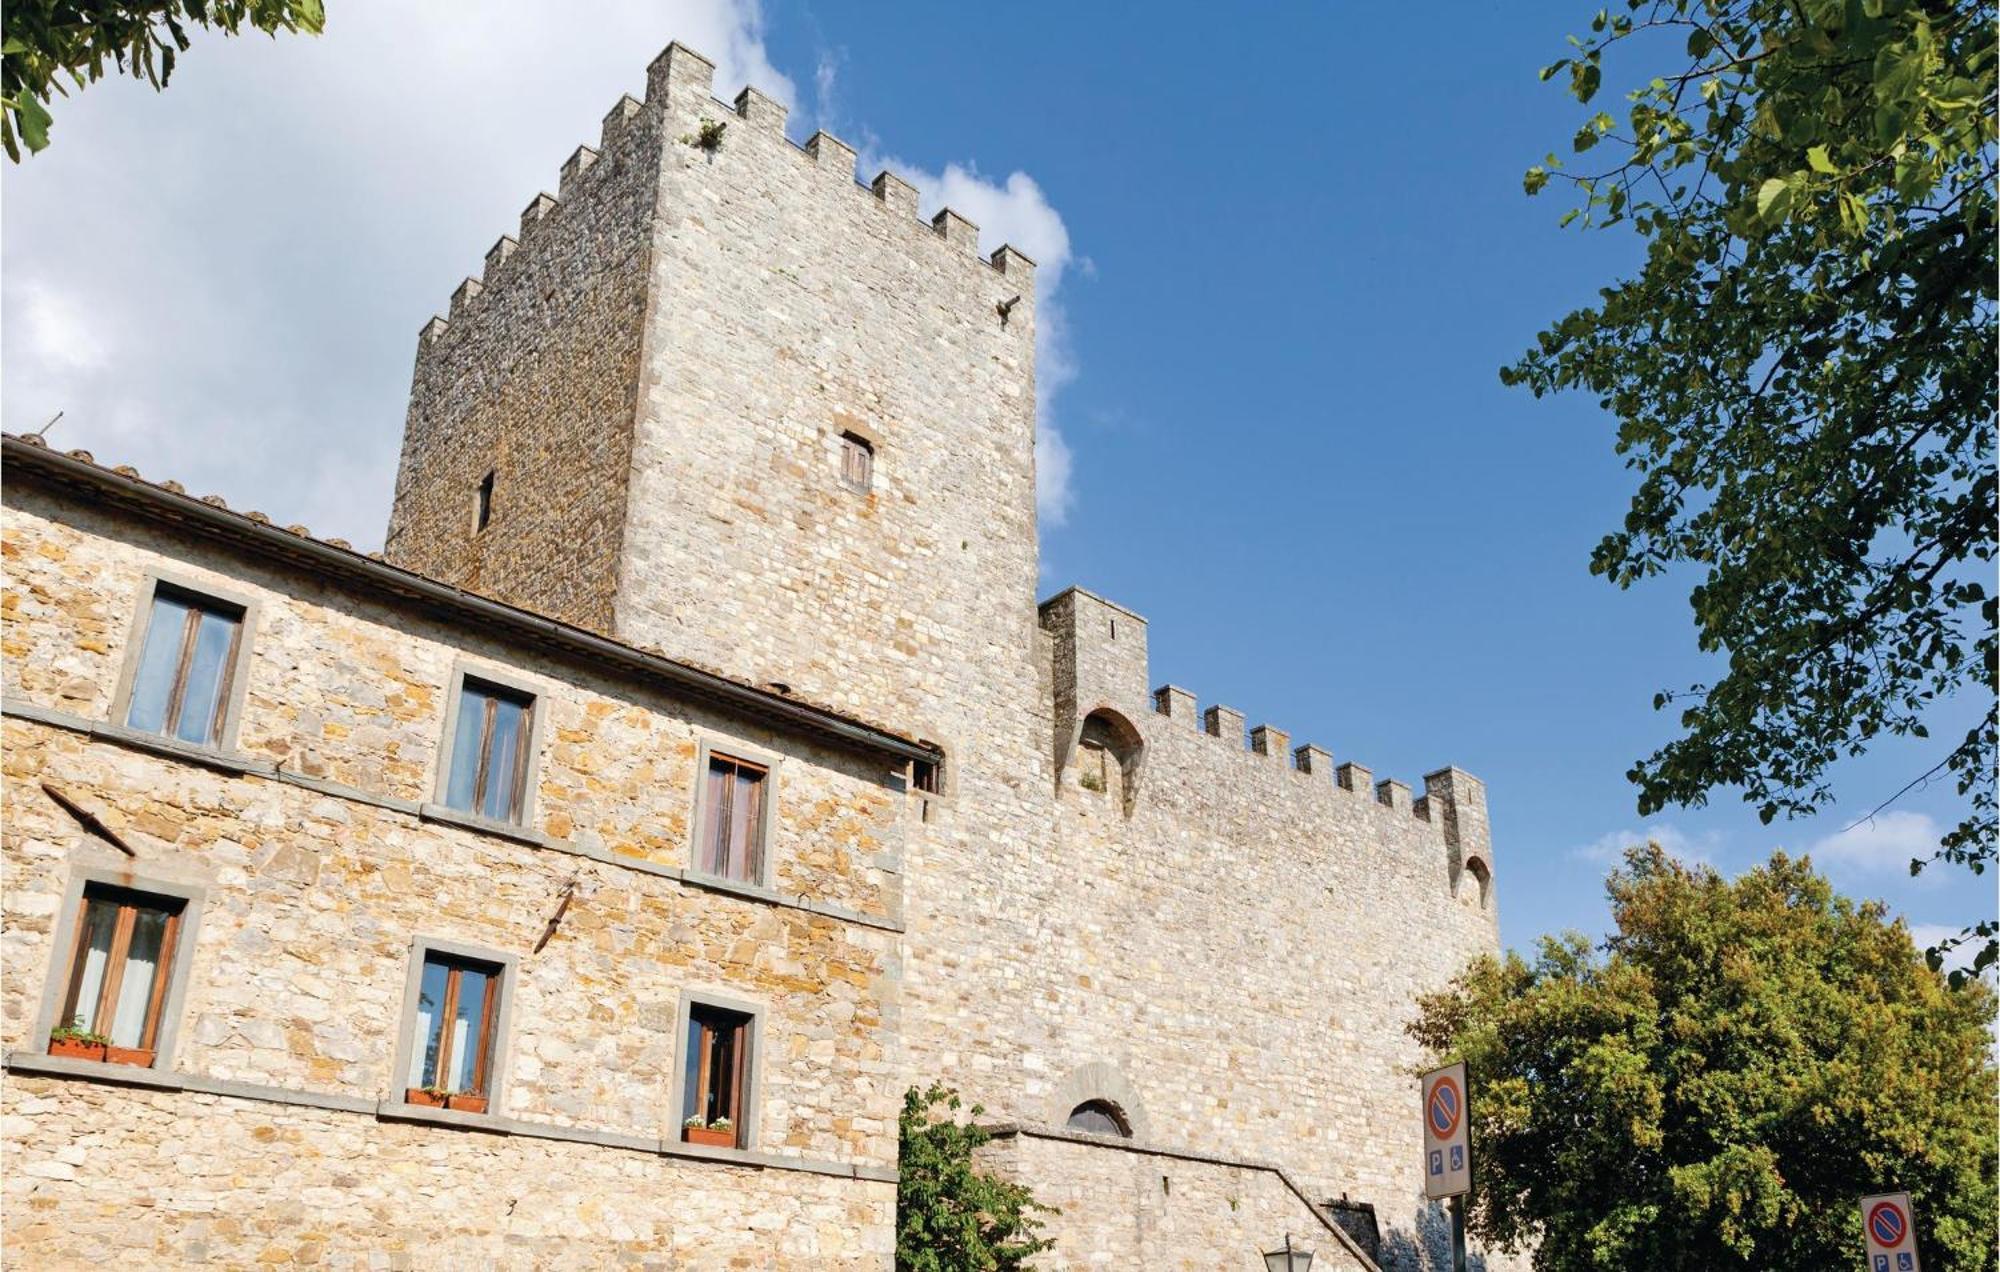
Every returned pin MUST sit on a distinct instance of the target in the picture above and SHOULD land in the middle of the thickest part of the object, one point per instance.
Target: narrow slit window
(718, 1060)
(451, 1057)
(857, 461)
(182, 685)
(732, 836)
(482, 506)
(489, 751)
(118, 974)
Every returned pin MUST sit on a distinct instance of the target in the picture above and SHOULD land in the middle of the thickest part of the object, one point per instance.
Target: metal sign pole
(1458, 1234)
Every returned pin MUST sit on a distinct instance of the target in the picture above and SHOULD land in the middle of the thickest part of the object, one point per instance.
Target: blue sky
(1292, 251)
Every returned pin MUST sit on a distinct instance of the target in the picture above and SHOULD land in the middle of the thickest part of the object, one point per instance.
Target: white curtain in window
(135, 988)
(463, 1057)
(420, 1048)
(96, 956)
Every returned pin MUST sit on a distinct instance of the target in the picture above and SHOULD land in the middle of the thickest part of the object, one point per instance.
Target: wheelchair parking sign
(1889, 1227)
(1447, 1147)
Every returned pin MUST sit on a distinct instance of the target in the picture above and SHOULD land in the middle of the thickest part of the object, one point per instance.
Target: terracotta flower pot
(425, 1099)
(466, 1103)
(713, 1139)
(76, 1049)
(141, 1056)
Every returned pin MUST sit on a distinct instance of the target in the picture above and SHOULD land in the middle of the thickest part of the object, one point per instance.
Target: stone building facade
(721, 477)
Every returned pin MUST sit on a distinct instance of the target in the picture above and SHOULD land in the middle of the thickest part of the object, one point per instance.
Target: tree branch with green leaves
(48, 42)
(951, 1216)
(1803, 378)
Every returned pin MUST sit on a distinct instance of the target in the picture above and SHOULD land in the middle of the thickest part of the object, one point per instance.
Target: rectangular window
(489, 751)
(718, 1060)
(451, 1056)
(181, 687)
(118, 975)
(927, 776)
(732, 834)
(857, 461)
(1091, 769)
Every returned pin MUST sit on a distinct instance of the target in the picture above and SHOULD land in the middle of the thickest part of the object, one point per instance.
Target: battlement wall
(1232, 930)
(1100, 666)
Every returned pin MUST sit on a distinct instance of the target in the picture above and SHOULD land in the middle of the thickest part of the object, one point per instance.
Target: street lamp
(1288, 1259)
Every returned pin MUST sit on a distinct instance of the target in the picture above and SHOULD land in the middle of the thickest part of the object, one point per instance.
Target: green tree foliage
(47, 40)
(951, 1216)
(1803, 377)
(1721, 1084)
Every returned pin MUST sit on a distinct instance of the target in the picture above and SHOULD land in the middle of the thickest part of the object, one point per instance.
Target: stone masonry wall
(354, 694)
(533, 377)
(789, 306)
(102, 1176)
(1243, 948)
(316, 887)
(1122, 1209)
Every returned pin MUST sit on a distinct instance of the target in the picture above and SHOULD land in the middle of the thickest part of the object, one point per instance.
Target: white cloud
(1609, 848)
(1015, 212)
(1885, 842)
(58, 332)
(214, 281)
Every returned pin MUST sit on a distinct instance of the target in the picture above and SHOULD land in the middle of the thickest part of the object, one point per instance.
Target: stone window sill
(98, 1070)
(38, 1064)
(738, 887)
(401, 1111)
(214, 757)
(484, 825)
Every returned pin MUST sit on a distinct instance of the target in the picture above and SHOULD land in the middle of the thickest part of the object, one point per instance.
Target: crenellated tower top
(713, 394)
(680, 77)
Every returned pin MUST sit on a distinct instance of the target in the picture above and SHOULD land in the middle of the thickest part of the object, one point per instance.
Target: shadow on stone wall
(1428, 1249)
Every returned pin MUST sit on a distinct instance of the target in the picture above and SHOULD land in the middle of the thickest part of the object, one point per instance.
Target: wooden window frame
(96, 874)
(198, 608)
(129, 902)
(455, 968)
(857, 461)
(713, 820)
(461, 728)
(231, 683)
(490, 1067)
(704, 1069)
(744, 1111)
(482, 775)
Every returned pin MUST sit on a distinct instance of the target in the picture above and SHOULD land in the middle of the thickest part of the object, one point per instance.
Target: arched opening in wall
(1107, 759)
(1099, 1117)
(1478, 884)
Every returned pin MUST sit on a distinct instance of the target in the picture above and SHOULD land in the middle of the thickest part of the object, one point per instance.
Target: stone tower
(721, 400)
(644, 417)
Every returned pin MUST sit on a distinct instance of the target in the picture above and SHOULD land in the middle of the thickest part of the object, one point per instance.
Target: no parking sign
(1890, 1227)
(1447, 1142)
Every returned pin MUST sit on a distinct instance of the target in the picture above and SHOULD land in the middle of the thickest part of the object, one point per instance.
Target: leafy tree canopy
(48, 40)
(1803, 377)
(1721, 1084)
(950, 1215)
